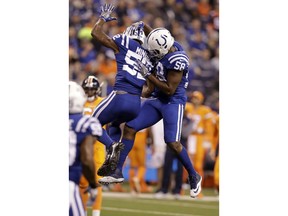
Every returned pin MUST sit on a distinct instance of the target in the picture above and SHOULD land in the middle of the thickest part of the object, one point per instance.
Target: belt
(121, 92)
(124, 92)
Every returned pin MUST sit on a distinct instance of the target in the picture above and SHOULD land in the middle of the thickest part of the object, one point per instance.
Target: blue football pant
(116, 109)
(153, 110)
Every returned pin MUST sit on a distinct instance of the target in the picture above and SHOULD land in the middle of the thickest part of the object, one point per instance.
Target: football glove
(92, 193)
(144, 69)
(139, 25)
(106, 11)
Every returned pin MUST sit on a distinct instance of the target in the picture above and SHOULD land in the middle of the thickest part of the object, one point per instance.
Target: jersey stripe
(127, 42)
(86, 125)
(179, 58)
(80, 123)
(178, 55)
(123, 40)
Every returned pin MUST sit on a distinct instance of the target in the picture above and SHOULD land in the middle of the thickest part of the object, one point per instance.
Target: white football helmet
(159, 41)
(135, 32)
(77, 98)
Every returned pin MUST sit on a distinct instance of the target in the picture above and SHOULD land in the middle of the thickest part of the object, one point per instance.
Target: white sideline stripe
(148, 212)
(204, 206)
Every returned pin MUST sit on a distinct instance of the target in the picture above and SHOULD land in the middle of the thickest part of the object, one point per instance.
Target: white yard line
(146, 212)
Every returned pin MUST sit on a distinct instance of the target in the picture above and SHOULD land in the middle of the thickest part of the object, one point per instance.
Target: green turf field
(124, 204)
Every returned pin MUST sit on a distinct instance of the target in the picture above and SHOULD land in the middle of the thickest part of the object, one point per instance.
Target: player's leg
(147, 116)
(75, 202)
(118, 109)
(141, 158)
(178, 180)
(83, 185)
(167, 170)
(99, 157)
(172, 117)
(216, 174)
(133, 167)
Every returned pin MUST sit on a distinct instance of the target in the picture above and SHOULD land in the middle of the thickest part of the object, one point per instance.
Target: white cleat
(195, 184)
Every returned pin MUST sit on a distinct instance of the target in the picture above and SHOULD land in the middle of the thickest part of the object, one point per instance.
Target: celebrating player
(169, 99)
(123, 103)
(83, 133)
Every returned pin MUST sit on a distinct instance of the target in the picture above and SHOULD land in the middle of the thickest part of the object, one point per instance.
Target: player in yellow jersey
(91, 87)
(201, 137)
(216, 146)
(137, 158)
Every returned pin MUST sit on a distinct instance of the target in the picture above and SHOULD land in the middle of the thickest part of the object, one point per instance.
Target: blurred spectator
(137, 158)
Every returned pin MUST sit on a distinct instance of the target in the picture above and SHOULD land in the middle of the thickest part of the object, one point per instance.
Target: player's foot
(111, 160)
(195, 185)
(116, 177)
(136, 182)
(160, 195)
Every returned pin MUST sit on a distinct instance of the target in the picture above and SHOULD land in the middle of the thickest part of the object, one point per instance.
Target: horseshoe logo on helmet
(165, 41)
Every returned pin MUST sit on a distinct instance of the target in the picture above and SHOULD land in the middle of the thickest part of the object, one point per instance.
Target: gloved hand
(139, 25)
(144, 69)
(106, 11)
(92, 193)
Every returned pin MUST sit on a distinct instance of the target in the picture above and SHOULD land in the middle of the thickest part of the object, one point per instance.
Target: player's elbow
(170, 92)
(95, 31)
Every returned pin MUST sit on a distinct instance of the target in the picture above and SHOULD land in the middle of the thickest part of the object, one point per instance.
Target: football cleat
(112, 158)
(116, 177)
(195, 185)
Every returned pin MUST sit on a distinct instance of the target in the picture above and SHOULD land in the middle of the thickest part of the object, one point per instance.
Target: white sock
(96, 213)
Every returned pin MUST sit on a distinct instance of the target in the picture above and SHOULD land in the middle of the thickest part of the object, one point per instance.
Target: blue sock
(115, 133)
(105, 139)
(128, 146)
(185, 160)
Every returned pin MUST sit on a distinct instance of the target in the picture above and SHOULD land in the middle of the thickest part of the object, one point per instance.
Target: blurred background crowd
(193, 23)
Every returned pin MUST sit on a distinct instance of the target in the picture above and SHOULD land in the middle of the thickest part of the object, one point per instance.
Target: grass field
(125, 204)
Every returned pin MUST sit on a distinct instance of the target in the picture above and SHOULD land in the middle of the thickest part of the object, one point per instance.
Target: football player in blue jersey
(168, 100)
(123, 103)
(83, 132)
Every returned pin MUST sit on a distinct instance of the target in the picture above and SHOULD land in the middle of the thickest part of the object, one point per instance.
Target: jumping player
(123, 103)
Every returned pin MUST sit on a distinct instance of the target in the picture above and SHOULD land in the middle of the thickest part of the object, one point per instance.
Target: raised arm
(97, 32)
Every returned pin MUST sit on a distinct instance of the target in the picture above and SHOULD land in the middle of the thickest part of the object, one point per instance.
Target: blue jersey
(177, 61)
(128, 78)
(80, 127)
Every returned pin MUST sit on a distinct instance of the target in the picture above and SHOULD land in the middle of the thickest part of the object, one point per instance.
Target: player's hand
(106, 11)
(139, 25)
(92, 193)
(144, 69)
